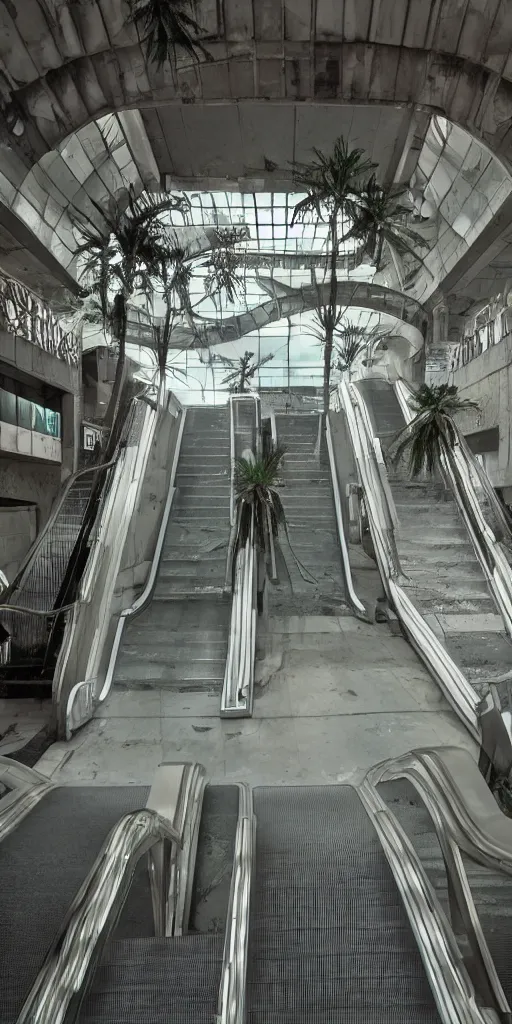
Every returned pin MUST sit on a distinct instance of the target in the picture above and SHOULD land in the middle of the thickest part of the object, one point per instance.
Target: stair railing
(241, 574)
(466, 820)
(459, 468)
(451, 680)
(162, 830)
(231, 1007)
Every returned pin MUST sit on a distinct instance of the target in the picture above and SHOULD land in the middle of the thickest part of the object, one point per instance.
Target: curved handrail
(61, 984)
(26, 787)
(231, 1007)
(145, 596)
(466, 818)
(457, 466)
(451, 984)
(354, 600)
(238, 686)
(453, 683)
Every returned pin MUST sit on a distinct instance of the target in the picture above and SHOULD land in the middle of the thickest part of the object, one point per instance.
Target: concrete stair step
(443, 533)
(160, 674)
(206, 613)
(202, 569)
(431, 541)
(176, 589)
(464, 606)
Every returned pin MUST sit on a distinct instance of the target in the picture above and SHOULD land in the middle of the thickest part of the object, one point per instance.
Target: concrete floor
(335, 696)
(20, 721)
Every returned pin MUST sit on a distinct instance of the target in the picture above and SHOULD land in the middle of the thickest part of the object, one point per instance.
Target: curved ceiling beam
(300, 300)
(62, 100)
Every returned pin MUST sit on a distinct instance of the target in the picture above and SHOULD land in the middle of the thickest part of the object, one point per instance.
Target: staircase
(306, 493)
(445, 580)
(180, 641)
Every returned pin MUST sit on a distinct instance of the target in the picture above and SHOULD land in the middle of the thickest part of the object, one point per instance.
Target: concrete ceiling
(67, 62)
(253, 146)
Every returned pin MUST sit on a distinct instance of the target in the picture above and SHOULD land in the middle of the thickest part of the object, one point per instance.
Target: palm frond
(166, 25)
(329, 180)
(432, 430)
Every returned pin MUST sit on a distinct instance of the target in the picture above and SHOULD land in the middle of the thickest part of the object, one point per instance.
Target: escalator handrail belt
(62, 982)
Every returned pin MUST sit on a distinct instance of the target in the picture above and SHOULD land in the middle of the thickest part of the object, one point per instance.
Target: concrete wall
(488, 381)
(31, 359)
(28, 481)
(18, 528)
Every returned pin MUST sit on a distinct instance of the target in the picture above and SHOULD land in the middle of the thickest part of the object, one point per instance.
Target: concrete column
(71, 426)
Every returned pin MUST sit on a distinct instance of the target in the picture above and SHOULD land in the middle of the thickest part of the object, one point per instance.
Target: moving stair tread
(329, 938)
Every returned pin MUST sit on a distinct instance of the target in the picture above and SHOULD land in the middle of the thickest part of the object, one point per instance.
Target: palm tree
(329, 182)
(259, 508)
(432, 433)
(379, 220)
(241, 376)
(165, 24)
(351, 340)
(123, 262)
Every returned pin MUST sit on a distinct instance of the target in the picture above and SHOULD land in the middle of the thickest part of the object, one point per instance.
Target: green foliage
(240, 377)
(379, 218)
(166, 25)
(256, 490)
(329, 181)
(351, 340)
(432, 431)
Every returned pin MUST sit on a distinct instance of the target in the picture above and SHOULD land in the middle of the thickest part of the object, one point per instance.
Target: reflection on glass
(7, 407)
(25, 413)
(29, 415)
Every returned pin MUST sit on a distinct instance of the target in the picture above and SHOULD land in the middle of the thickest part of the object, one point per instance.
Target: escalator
(444, 578)
(329, 924)
(306, 493)
(179, 643)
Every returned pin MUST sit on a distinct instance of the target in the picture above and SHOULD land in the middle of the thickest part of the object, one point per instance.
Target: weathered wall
(488, 381)
(29, 481)
(18, 528)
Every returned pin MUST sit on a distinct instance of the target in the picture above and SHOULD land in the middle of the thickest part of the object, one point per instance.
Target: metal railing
(78, 681)
(355, 602)
(460, 467)
(162, 830)
(238, 686)
(25, 788)
(231, 1006)
(453, 683)
(466, 820)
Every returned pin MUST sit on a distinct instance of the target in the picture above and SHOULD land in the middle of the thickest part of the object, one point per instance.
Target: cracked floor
(333, 697)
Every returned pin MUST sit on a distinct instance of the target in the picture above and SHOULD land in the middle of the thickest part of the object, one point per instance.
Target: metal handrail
(457, 466)
(453, 683)
(355, 601)
(466, 818)
(238, 686)
(57, 993)
(145, 596)
(231, 1006)
(451, 984)
(26, 787)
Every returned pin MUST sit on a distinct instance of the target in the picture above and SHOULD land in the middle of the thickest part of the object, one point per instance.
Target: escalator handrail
(62, 982)
(470, 814)
(354, 600)
(144, 598)
(458, 465)
(231, 1007)
(451, 984)
(454, 684)
(238, 685)
(466, 819)
(25, 788)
